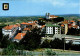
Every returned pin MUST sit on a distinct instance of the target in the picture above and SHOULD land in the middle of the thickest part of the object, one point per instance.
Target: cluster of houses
(18, 31)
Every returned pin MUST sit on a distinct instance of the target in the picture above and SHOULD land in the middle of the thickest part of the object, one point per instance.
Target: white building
(48, 16)
(52, 29)
(10, 30)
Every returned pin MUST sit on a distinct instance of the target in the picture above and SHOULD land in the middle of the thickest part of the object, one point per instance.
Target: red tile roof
(9, 27)
(43, 26)
(65, 22)
(72, 21)
(69, 24)
(28, 23)
(23, 23)
(62, 25)
(53, 16)
(19, 37)
(26, 29)
(78, 20)
(76, 26)
(40, 18)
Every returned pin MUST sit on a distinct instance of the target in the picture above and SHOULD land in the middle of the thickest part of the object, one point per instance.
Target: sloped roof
(76, 26)
(28, 23)
(42, 26)
(40, 18)
(19, 36)
(65, 22)
(9, 27)
(62, 25)
(53, 16)
(26, 29)
(72, 21)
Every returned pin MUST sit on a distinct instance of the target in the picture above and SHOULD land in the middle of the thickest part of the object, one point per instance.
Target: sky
(40, 7)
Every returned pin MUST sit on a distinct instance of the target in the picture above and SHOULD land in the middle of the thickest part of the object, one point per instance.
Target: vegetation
(45, 44)
(19, 19)
(58, 19)
(32, 39)
(50, 52)
(76, 31)
(57, 44)
(10, 50)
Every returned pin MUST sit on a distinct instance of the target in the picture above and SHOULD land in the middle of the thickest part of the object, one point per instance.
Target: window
(56, 31)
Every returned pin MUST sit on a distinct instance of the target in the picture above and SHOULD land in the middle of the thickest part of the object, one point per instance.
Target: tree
(41, 22)
(73, 31)
(45, 44)
(32, 40)
(57, 43)
(4, 41)
(58, 19)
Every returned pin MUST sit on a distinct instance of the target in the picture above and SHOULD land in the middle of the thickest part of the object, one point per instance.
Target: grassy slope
(60, 51)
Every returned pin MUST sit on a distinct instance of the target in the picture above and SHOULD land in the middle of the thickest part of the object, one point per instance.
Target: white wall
(11, 32)
(49, 30)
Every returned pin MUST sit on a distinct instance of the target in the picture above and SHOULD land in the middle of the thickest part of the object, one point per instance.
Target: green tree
(46, 44)
(57, 43)
(32, 39)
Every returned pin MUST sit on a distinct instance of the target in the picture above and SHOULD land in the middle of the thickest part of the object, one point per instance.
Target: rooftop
(42, 26)
(28, 23)
(72, 21)
(25, 29)
(9, 27)
(19, 36)
(65, 22)
(51, 25)
(53, 16)
(62, 25)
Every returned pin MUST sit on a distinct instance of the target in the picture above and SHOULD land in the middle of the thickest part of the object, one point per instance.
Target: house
(78, 23)
(73, 23)
(18, 37)
(33, 21)
(48, 16)
(30, 25)
(25, 30)
(10, 30)
(64, 28)
(52, 29)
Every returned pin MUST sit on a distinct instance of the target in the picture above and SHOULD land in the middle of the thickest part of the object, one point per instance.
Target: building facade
(52, 29)
(10, 30)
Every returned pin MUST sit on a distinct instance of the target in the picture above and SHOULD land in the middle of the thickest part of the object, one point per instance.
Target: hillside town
(51, 26)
